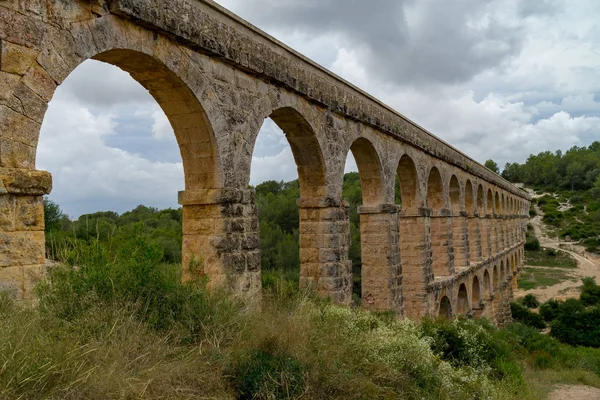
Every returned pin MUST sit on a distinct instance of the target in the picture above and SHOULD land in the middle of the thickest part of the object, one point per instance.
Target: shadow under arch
(369, 170)
(475, 292)
(462, 303)
(305, 150)
(445, 309)
(454, 191)
(409, 184)
(435, 191)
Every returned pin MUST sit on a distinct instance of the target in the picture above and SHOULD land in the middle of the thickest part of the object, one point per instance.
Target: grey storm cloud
(406, 42)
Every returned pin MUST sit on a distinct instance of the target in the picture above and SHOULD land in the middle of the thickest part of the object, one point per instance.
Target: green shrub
(576, 325)
(530, 301)
(590, 294)
(532, 243)
(267, 373)
(550, 310)
(529, 318)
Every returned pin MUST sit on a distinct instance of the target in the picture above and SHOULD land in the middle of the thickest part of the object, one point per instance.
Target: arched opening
(435, 191)
(490, 202)
(127, 155)
(475, 292)
(289, 240)
(407, 185)
(439, 226)
(497, 205)
(463, 300)
(469, 203)
(480, 201)
(367, 249)
(445, 310)
(454, 190)
(487, 284)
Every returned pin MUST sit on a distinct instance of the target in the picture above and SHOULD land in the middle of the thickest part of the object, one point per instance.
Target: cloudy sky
(497, 79)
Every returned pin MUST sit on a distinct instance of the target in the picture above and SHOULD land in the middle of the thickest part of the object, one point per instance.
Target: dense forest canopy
(577, 169)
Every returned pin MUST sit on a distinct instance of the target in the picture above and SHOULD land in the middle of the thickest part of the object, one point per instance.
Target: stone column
(22, 242)
(324, 244)
(461, 239)
(499, 304)
(380, 254)
(221, 240)
(493, 234)
(441, 244)
(489, 307)
(415, 253)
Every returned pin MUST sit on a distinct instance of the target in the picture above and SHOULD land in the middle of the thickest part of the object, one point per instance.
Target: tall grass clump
(121, 324)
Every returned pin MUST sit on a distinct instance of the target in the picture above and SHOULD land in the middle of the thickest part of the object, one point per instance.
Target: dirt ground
(587, 264)
(577, 392)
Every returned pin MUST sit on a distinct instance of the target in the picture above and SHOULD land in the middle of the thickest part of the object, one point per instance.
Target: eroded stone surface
(455, 244)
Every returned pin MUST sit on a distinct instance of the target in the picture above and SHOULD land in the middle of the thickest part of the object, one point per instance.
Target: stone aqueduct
(455, 245)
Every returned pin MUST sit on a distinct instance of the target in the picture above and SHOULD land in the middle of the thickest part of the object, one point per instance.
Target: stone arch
(454, 191)
(306, 151)
(497, 205)
(187, 116)
(475, 291)
(370, 171)
(469, 203)
(409, 183)
(435, 191)
(462, 300)
(445, 308)
(487, 284)
(502, 272)
(480, 200)
(490, 202)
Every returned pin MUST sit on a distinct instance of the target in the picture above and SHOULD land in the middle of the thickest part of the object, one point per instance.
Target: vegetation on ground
(573, 321)
(121, 324)
(278, 218)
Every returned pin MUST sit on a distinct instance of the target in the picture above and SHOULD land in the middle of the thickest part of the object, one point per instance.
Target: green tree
(492, 166)
(53, 215)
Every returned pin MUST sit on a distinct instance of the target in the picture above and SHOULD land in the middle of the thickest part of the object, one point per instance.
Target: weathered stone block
(16, 59)
(29, 213)
(22, 248)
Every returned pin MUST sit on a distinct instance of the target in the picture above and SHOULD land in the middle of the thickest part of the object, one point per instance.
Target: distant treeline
(279, 222)
(576, 170)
